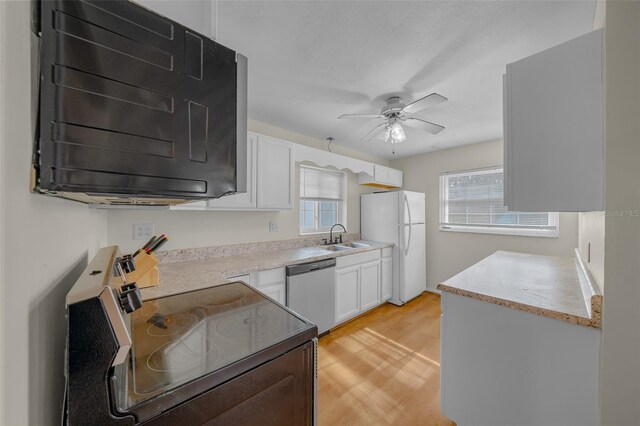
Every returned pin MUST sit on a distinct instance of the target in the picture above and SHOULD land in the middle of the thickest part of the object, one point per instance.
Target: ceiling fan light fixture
(397, 133)
(386, 134)
(395, 113)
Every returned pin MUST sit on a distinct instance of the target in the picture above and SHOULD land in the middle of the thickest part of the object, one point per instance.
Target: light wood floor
(383, 368)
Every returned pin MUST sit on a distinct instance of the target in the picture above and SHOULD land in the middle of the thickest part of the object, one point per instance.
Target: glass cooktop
(180, 338)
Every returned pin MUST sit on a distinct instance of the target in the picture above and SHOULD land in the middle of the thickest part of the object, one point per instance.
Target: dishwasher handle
(305, 268)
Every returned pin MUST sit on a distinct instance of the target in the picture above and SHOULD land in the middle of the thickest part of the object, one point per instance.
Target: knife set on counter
(141, 267)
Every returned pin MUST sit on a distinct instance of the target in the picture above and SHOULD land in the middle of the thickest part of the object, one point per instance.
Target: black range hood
(135, 108)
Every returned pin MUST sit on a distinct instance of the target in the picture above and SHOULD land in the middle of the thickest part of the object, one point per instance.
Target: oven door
(280, 392)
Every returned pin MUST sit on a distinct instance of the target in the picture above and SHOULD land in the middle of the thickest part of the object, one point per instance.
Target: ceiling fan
(397, 114)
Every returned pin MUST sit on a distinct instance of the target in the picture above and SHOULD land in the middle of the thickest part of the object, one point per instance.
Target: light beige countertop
(180, 277)
(554, 287)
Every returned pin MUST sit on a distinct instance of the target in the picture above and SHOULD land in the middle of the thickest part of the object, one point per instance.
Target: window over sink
(472, 201)
(322, 199)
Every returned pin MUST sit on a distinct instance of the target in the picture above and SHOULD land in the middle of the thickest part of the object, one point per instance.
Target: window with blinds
(322, 199)
(472, 201)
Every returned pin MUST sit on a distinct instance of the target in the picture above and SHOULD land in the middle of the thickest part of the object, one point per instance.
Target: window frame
(551, 231)
(341, 207)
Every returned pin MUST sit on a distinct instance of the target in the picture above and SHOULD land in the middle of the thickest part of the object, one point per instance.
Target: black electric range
(222, 355)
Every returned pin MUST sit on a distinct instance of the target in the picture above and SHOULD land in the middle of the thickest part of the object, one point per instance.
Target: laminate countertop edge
(583, 290)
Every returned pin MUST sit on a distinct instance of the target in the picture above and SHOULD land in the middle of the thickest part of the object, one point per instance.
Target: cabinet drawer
(386, 252)
(355, 259)
(244, 278)
(271, 277)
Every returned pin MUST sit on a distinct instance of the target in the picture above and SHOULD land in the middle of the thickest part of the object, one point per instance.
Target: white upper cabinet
(553, 128)
(244, 200)
(269, 178)
(275, 174)
(383, 177)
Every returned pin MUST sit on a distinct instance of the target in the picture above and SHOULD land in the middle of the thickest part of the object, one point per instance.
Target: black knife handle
(157, 245)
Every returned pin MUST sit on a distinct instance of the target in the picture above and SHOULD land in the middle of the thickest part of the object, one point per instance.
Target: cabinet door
(381, 174)
(347, 293)
(395, 177)
(369, 285)
(278, 392)
(386, 278)
(244, 200)
(277, 293)
(554, 134)
(275, 174)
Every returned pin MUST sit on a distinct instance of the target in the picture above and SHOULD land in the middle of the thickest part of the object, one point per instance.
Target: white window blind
(322, 194)
(472, 201)
(320, 185)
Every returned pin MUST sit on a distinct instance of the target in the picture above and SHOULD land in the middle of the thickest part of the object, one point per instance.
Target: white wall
(45, 246)
(210, 228)
(451, 252)
(620, 356)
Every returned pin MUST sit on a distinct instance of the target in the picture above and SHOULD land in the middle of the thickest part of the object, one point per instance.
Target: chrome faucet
(331, 240)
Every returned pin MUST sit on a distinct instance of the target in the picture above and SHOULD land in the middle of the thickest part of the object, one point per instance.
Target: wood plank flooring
(383, 368)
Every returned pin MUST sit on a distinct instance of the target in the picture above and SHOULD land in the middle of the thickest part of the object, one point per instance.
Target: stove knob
(130, 297)
(125, 264)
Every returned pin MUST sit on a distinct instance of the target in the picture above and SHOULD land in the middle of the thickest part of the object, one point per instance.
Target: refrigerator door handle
(408, 244)
(406, 249)
(406, 203)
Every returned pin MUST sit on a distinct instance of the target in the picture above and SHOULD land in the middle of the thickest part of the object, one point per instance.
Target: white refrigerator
(399, 217)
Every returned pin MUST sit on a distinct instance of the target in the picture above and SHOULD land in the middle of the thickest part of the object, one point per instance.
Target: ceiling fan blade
(361, 116)
(370, 135)
(426, 102)
(426, 126)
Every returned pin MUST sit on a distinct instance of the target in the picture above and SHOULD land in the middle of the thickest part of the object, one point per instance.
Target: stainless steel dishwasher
(311, 292)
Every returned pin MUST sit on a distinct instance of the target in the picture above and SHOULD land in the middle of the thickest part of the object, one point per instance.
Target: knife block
(146, 273)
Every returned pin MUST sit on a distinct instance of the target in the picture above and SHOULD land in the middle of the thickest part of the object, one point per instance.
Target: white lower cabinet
(369, 285)
(358, 284)
(271, 282)
(277, 293)
(347, 289)
(503, 366)
(386, 278)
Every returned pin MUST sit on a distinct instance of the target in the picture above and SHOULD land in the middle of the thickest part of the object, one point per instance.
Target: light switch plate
(273, 226)
(142, 231)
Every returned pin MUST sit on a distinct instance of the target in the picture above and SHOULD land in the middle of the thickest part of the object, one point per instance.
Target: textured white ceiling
(310, 61)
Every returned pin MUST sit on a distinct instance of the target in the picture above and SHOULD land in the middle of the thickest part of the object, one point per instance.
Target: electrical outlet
(142, 231)
(273, 226)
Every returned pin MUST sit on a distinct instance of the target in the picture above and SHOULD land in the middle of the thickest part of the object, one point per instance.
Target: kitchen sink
(355, 244)
(336, 247)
